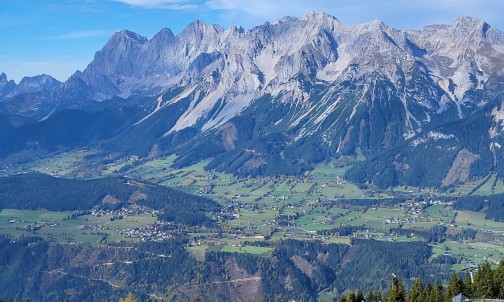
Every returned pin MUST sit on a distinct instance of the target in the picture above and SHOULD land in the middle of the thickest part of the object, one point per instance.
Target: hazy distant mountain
(280, 97)
(6, 86)
(31, 97)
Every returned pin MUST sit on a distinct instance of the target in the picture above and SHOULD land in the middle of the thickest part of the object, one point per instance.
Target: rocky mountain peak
(128, 35)
(318, 17)
(313, 80)
(239, 29)
(286, 58)
(36, 84)
(376, 25)
(163, 35)
(463, 32)
(199, 27)
(6, 86)
(44, 84)
(468, 25)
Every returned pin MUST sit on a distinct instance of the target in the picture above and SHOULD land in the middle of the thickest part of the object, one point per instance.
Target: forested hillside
(488, 284)
(39, 191)
(296, 270)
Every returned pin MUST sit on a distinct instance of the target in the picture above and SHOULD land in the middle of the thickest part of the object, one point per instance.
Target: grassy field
(229, 246)
(325, 182)
(29, 216)
(487, 187)
(198, 251)
(499, 187)
(59, 164)
(490, 186)
(375, 218)
(258, 202)
(466, 188)
(475, 252)
(477, 220)
(55, 226)
(254, 250)
(327, 171)
(438, 213)
(325, 297)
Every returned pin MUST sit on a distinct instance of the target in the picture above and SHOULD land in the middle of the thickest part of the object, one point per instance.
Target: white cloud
(160, 4)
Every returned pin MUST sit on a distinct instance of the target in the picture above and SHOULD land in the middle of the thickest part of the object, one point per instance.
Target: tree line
(491, 205)
(35, 191)
(488, 284)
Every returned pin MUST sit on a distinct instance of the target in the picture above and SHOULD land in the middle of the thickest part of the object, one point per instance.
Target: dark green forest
(295, 270)
(39, 191)
(492, 205)
(488, 284)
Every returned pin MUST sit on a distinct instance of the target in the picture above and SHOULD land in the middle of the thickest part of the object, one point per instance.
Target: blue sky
(57, 37)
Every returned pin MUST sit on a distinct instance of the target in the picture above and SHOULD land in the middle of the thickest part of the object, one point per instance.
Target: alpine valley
(263, 102)
(306, 128)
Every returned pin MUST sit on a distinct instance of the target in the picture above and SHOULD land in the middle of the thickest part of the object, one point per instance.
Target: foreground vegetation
(300, 270)
(488, 284)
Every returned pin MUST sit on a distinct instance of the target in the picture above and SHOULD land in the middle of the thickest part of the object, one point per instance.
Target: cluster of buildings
(153, 232)
(91, 227)
(399, 220)
(123, 212)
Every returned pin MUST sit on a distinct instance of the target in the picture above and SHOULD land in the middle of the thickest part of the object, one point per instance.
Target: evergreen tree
(499, 280)
(436, 294)
(346, 298)
(417, 292)
(427, 291)
(356, 296)
(468, 286)
(350, 297)
(374, 296)
(484, 287)
(359, 296)
(455, 287)
(129, 298)
(397, 293)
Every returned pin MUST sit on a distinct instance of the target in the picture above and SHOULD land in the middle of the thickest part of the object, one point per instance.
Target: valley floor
(320, 205)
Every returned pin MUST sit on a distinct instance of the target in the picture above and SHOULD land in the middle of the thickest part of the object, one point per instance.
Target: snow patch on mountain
(313, 64)
(332, 71)
(235, 67)
(229, 111)
(266, 62)
(498, 118)
(431, 136)
(159, 100)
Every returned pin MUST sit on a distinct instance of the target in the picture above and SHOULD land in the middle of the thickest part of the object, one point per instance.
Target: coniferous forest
(487, 283)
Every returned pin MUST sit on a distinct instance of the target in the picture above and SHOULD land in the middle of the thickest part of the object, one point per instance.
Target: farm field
(266, 209)
(59, 164)
(60, 227)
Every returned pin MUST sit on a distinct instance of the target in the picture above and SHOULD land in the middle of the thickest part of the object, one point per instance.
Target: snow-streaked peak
(428, 69)
(319, 17)
(127, 34)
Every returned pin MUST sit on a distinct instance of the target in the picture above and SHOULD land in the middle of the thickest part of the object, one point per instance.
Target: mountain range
(423, 106)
